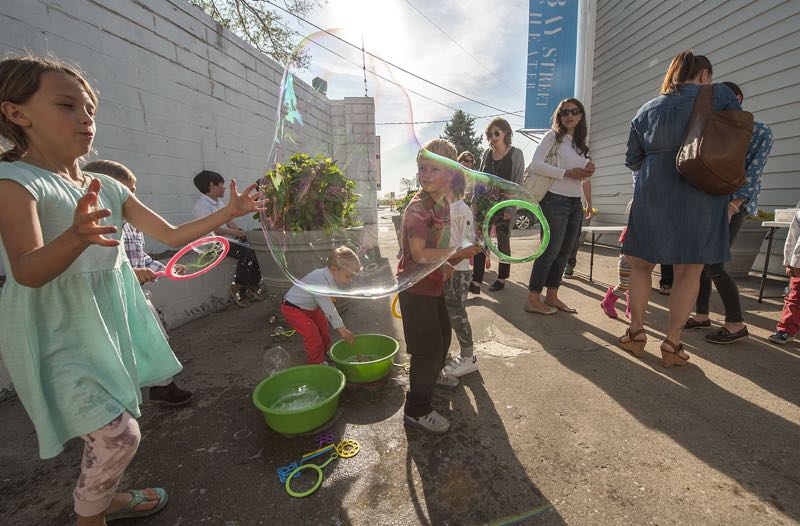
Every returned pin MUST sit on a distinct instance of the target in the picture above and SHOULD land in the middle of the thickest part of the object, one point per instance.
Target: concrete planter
(745, 248)
(302, 252)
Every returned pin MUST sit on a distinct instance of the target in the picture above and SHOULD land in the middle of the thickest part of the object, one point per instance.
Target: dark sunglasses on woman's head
(496, 133)
(567, 112)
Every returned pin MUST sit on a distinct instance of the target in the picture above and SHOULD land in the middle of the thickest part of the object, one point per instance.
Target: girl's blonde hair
(118, 171)
(19, 80)
(343, 257)
(441, 147)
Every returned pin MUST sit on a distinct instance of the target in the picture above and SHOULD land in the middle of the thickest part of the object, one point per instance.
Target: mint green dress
(80, 347)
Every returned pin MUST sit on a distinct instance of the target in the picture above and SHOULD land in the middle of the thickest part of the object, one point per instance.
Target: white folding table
(597, 231)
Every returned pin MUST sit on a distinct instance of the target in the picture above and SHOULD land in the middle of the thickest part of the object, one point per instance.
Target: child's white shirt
(791, 250)
(300, 297)
(462, 229)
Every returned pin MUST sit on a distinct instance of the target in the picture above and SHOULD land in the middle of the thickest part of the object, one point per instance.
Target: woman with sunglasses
(507, 162)
(562, 155)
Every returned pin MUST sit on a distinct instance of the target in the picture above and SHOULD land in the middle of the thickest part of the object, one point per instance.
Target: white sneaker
(461, 365)
(433, 422)
(446, 381)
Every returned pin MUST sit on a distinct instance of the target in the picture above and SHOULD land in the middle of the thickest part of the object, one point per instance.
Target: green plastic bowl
(299, 399)
(368, 360)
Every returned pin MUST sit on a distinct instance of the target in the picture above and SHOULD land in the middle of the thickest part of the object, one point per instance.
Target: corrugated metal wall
(755, 44)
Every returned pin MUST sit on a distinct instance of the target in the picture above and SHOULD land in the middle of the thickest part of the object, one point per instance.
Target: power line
(404, 70)
(462, 48)
(448, 120)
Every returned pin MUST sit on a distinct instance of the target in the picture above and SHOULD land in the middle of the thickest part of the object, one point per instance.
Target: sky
(479, 50)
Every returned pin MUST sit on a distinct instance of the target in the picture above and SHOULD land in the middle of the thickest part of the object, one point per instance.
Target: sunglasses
(567, 112)
(467, 161)
(496, 133)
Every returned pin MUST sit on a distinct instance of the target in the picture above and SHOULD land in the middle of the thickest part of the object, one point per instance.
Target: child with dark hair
(456, 287)
(247, 278)
(165, 392)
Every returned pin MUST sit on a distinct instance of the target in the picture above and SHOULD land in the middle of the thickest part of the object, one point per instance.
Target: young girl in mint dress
(77, 337)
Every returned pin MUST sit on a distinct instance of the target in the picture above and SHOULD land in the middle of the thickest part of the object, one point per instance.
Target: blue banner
(552, 49)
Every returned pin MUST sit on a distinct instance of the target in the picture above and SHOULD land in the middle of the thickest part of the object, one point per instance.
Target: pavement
(559, 426)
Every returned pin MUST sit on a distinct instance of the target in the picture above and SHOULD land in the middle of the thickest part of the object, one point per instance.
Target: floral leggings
(107, 453)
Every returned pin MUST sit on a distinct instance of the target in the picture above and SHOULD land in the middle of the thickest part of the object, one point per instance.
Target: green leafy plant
(308, 193)
(403, 203)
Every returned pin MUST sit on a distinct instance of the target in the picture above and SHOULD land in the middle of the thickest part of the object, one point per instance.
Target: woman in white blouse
(562, 204)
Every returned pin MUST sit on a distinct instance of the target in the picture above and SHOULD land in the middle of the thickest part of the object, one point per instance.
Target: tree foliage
(460, 130)
(408, 184)
(263, 25)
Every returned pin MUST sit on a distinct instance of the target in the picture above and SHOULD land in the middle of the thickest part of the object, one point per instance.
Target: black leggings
(502, 228)
(248, 273)
(726, 286)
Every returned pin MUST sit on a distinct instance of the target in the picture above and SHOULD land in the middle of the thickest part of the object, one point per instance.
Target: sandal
(677, 356)
(138, 497)
(632, 345)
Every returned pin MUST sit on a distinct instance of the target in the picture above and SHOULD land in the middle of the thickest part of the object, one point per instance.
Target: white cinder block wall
(178, 94)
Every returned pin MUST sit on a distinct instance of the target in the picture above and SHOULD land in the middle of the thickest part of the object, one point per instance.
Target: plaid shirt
(134, 248)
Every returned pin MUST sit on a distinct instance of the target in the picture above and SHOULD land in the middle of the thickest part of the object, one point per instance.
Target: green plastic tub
(368, 360)
(299, 399)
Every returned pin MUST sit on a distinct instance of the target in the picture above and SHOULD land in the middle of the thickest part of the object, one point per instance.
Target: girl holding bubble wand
(78, 338)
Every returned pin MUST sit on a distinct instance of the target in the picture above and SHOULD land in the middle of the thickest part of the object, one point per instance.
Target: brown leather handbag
(714, 146)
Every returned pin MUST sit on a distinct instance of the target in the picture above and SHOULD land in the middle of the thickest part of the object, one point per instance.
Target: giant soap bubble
(333, 148)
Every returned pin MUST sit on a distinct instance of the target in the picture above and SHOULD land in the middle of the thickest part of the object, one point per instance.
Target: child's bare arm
(32, 262)
(420, 254)
(346, 335)
(154, 225)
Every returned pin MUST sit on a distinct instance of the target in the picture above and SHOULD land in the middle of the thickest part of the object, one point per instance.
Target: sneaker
(474, 288)
(497, 285)
(569, 271)
(238, 295)
(461, 365)
(446, 381)
(692, 323)
(433, 422)
(724, 336)
(780, 337)
(170, 395)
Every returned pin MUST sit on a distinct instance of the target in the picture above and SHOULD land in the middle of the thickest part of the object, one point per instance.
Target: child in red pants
(309, 313)
(790, 317)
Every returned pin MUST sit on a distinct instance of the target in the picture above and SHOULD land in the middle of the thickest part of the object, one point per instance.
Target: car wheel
(523, 221)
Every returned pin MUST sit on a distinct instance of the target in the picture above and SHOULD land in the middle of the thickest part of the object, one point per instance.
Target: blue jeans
(564, 215)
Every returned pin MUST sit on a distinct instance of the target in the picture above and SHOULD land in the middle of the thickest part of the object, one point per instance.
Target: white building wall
(754, 44)
(178, 94)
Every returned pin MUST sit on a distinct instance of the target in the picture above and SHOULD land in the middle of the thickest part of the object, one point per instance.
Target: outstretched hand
(246, 202)
(85, 225)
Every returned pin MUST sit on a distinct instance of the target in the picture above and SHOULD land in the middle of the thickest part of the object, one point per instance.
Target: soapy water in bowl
(300, 398)
(361, 358)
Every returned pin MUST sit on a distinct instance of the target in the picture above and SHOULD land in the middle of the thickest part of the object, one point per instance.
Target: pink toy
(213, 251)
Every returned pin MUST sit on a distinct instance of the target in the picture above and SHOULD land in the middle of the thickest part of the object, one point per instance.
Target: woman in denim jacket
(671, 221)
